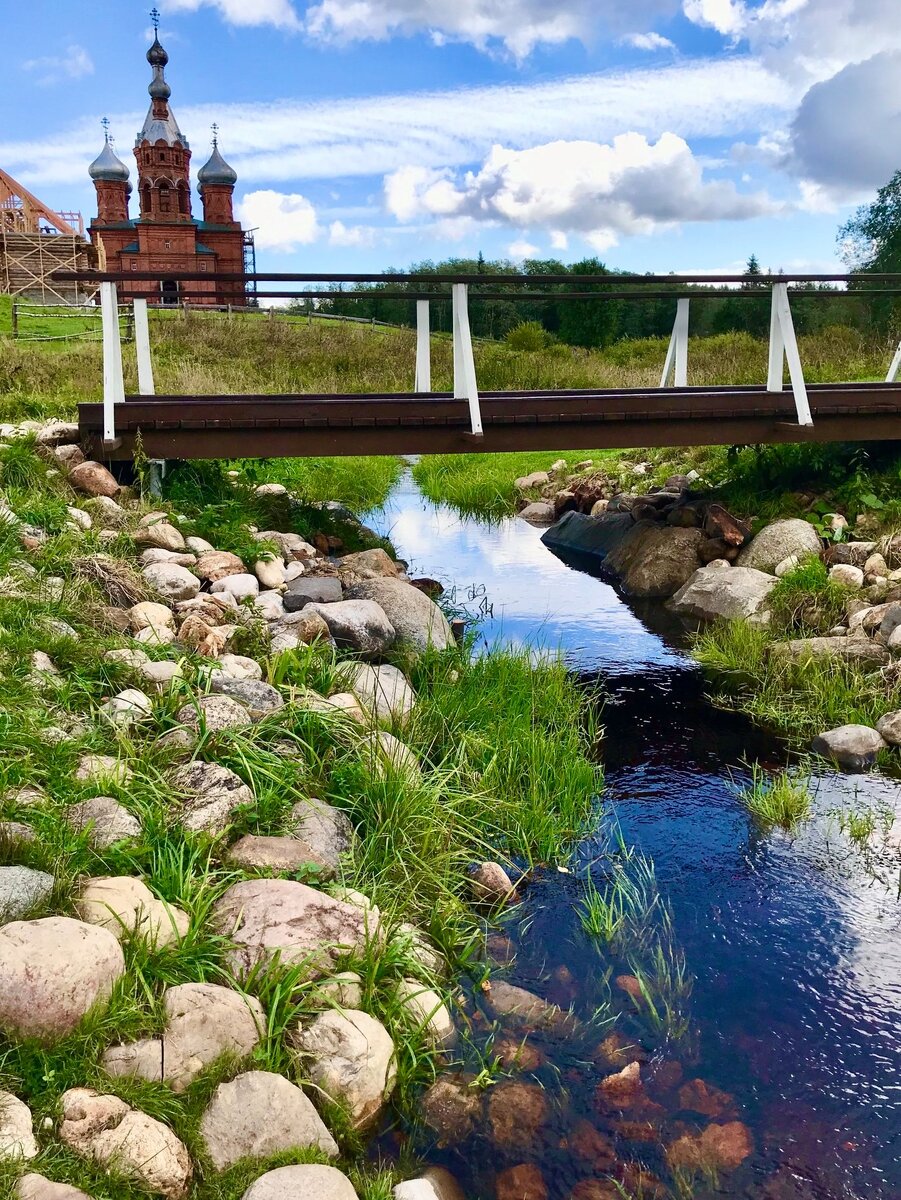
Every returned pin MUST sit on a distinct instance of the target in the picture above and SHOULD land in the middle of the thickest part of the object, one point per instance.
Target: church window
(167, 245)
(165, 199)
(134, 264)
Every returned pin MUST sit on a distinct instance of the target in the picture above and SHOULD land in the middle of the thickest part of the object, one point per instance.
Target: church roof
(108, 166)
(217, 171)
(160, 125)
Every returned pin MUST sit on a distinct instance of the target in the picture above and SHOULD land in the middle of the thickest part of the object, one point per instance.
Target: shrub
(530, 336)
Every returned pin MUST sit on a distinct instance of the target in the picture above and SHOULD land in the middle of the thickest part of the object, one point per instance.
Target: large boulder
(360, 625)
(852, 747)
(93, 479)
(210, 795)
(654, 561)
(577, 533)
(106, 1130)
(728, 593)
(126, 906)
(263, 917)
(21, 891)
(350, 1056)
(779, 541)
(418, 620)
(367, 564)
(383, 691)
(859, 651)
(302, 1183)
(260, 1114)
(52, 973)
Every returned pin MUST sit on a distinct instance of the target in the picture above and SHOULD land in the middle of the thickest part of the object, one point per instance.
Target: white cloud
(282, 222)
(280, 13)
(340, 234)
(725, 16)
(631, 186)
(522, 249)
(559, 240)
(648, 41)
(75, 63)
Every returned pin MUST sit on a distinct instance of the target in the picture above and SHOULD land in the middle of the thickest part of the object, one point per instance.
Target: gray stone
(537, 479)
(22, 890)
(714, 592)
(326, 830)
(260, 698)
(383, 691)
(852, 747)
(292, 545)
(260, 1114)
(891, 620)
(360, 625)
(161, 675)
(416, 619)
(102, 767)
(106, 820)
(215, 714)
(17, 1142)
(302, 1183)
(654, 561)
(860, 651)
(778, 541)
(37, 1187)
(539, 513)
(127, 708)
(211, 794)
(520, 1009)
(171, 581)
(350, 1056)
(324, 589)
(238, 667)
(284, 855)
(889, 727)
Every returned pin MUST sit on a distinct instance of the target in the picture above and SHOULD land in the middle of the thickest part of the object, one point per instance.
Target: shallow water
(793, 943)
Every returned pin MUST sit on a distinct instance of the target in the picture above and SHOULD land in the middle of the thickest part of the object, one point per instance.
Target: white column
(423, 347)
(465, 384)
(784, 345)
(895, 367)
(777, 348)
(142, 346)
(113, 383)
(677, 355)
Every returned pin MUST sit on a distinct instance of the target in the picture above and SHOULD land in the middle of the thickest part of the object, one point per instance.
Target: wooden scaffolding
(35, 241)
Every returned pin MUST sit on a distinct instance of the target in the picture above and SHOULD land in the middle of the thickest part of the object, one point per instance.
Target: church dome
(156, 55)
(217, 171)
(159, 89)
(107, 166)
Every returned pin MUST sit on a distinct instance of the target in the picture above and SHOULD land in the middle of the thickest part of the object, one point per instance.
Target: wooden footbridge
(426, 422)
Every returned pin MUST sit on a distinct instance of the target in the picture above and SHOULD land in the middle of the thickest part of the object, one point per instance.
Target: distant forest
(600, 323)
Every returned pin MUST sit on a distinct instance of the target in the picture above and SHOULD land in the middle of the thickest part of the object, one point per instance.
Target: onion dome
(156, 55)
(107, 166)
(216, 171)
(159, 89)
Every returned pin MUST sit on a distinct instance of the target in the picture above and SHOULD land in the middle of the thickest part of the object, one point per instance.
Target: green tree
(871, 242)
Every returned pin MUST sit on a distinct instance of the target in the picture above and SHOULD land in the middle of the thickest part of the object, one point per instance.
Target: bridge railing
(783, 344)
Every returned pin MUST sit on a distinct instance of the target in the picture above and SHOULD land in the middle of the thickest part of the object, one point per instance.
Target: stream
(792, 941)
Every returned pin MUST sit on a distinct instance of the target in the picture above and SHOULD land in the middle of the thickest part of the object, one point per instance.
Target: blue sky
(656, 134)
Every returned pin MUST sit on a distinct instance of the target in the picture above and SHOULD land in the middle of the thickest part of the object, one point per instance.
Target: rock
(270, 572)
(360, 625)
(208, 640)
(876, 565)
(350, 1056)
(12, 832)
(527, 483)
(524, 1182)
(325, 830)
(16, 1136)
(198, 545)
(302, 1183)
(382, 752)
(516, 1054)
(154, 635)
(367, 564)
(148, 613)
(452, 1109)
(105, 1129)
(718, 1147)
(157, 555)
(126, 906)
(127, 708)
(78, 519)
(269, 605)
(260, 699)
(21, 891)
(236, 666)
(698, 1096)
(599, 508)
(278, 854)
(891, 620)
(542, 513)
(889, 728)
(214, 565)
(420, 950)
(324, 589)
(592, 1147)
(105, 819)
(429, 1013)
(267, 916)
(258, 1115)
(777, 541)
(732, 594)
(241, 586)
(847, 575)
(516, 1113)
(171, 581)
(344, 989)
(93, 479)
(865, 654)
(215, 714)
(210, 796)
(787, 565)
(203, 1022)
(94, 767)
(622, 1090)
(435, 1183)
(37, 1187)
(384, 691)
(491, 884)
(161, 536)
(52, 973)
(852, 747)
(654, 561)
(161, 675)
(42, 664)
(300, 628)
(521, 1009)
(417, 620)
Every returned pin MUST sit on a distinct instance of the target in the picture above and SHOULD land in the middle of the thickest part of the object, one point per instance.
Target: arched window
(165, 195)
(145, 199)
(182, 199)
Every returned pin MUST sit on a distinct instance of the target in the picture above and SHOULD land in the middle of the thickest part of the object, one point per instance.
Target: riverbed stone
(536, 479)
(490, 883)
(302, 1183)
(52, 973)
(215, 713)
(520, 1009)
(259, 1114)
(213, 565)
(316, 589)
(159, 676)
(417, 620)
(517, 1111)
(102, 767)
(350, 1056)
(654, 561)
(260, 699)
(127, 708)
(326, 830)
(367, 564)
(22, 889)
(852, 747)
(237, 666)
(357, 624)
(38, 1187)
(106, 1130)
(452, 1109)
(17, 1140)
(859, 651)
(731, 593)
(718, 1147)
(171, 581)
(777, 541)
(524, 1182)
(263, 917)
(125, 905)
(384, 691)
(210, 796)
(148, 612)
(281, 855)
(429, 1013)
(435, 1183)
(889, 727)
(242, 586)
(541, 513)
(847, 575)
(106, 820)
(160, 535)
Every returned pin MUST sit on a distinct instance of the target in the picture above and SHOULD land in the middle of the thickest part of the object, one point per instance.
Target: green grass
(779, 801)
(806, 602)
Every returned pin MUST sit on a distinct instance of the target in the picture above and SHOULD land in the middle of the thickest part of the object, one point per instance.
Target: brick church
(166, 236)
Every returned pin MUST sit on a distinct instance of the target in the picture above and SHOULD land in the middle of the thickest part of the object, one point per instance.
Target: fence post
(15, 321)
(677, 354)
(423, 347)
(892, 371)
(784, 345)
(142, 348)
(465, 383)
(113, 383)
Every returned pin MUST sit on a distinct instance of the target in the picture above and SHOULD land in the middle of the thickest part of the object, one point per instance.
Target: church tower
(166, 236)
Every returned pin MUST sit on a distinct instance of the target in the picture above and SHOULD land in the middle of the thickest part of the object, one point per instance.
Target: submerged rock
(719, 1147)
(452, 1109)
(524, 1182)
(517, 1113)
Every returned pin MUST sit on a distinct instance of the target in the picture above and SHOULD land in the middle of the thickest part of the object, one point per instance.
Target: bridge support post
(142, 348)
(784, 345)
(113, 382)
(677, 355)
(895, 367)
(465, 383)
(423, 347)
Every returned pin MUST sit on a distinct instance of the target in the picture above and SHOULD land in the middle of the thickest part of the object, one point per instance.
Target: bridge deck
(194, 427)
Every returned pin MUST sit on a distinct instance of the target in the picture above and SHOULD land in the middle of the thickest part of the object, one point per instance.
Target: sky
(656, 135)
